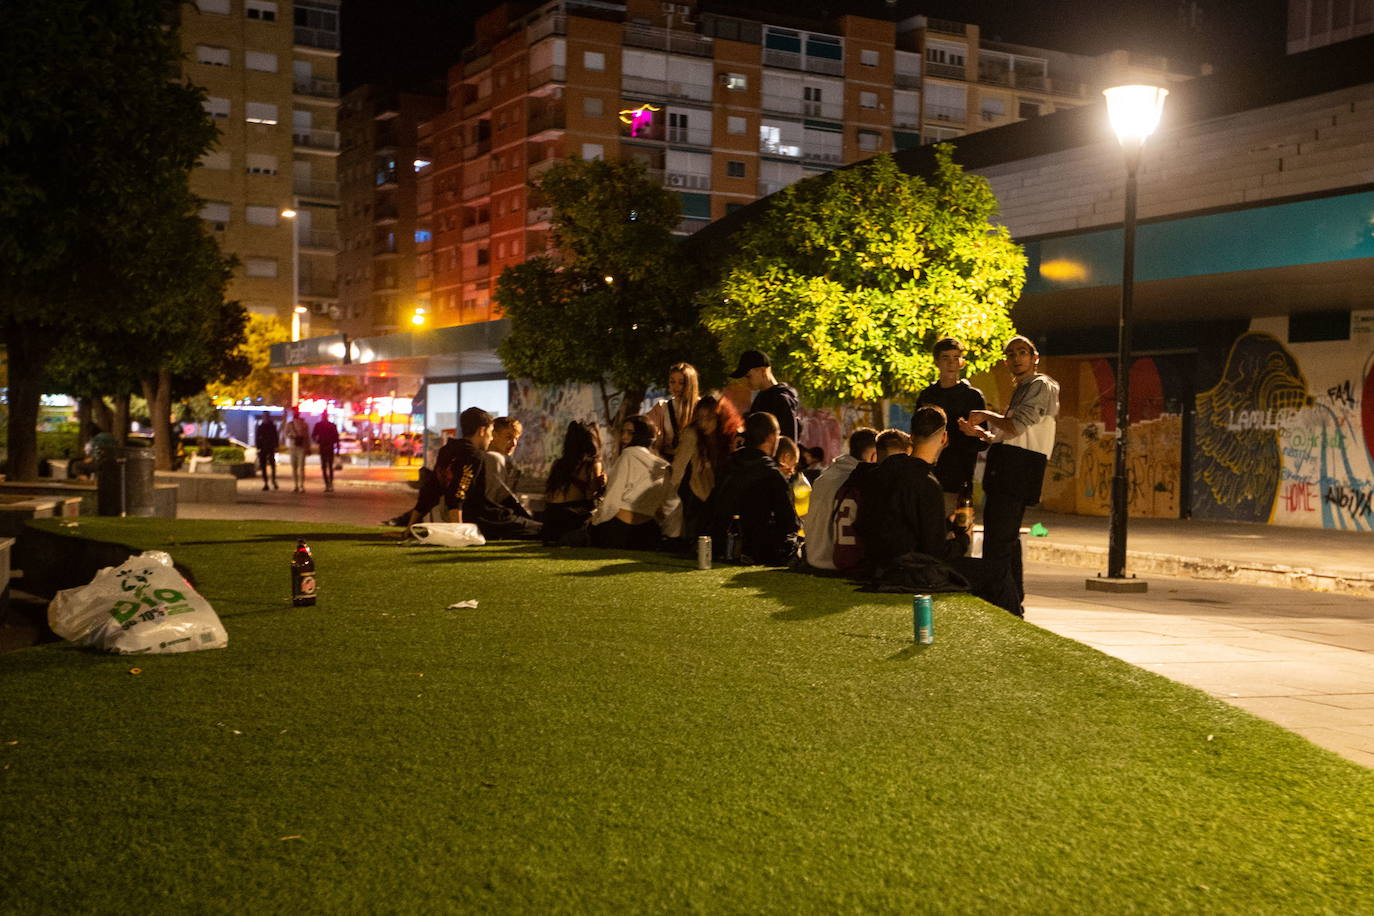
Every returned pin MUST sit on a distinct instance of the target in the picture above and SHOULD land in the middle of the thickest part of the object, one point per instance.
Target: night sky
(404, 43)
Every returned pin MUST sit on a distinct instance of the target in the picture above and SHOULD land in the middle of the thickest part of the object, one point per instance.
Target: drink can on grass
(704, 552)
(923, 619)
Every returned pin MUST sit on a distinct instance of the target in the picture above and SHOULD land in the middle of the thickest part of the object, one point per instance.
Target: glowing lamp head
(288, 213)
(300, 310)
(1134, 112)
(419, 317)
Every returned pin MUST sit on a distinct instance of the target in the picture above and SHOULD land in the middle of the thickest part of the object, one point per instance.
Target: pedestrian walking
(295, 432)
(326, 436)
(267, 441)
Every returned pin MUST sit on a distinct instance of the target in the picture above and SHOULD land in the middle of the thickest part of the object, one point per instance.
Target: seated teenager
(499, 514)
(754, 490)
(637, 489)
(822, 517)
(574, 485)
(457, 468)
(912, 545)
(788, 457)
(702, 452)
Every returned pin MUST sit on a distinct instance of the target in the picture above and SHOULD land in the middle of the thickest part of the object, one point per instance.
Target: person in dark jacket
(267, 440)
(773, 396)
(326, 436)
(953, 394)
(910, 541)
(753, 489)
(457, 469)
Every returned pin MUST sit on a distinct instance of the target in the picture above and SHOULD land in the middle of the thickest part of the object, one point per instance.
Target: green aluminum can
(923, 619)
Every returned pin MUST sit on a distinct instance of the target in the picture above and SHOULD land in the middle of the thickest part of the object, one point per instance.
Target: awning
(456, 351)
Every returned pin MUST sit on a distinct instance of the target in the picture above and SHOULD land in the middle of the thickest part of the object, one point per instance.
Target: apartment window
(213, 6)
(868, 57)
(261, 216)
(734, 168)
(260, 9)
(214, 57)
(946, 55)
(735, 82)
(734, 125)
(483, 256)
(869, 140)
(217, 160)
(217, 108)
(993, 109)
(593, 60)
(260, 60)
(868, 100)
(260, 164)
(214, 211)
(260, 267)
(1025, 110)
(593, 151)
(260, 113)
(592, 107)
(811, 99)
(422, 235)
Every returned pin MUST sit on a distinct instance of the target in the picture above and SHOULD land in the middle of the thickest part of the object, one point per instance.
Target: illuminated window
(260, 113)
(735, 82)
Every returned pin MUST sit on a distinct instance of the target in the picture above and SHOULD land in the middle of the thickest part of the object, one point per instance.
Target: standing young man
(326, 436)
(773, 396)
(1022, 440)
(267, 440)
(295, 432)
(957, 398)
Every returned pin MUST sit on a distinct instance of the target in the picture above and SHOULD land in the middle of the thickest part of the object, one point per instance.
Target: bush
(227, 454)
(58, 443)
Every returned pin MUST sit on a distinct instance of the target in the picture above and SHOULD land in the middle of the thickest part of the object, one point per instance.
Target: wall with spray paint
(1285, 432)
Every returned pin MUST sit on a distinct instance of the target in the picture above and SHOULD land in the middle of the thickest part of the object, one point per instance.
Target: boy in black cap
(773, 396)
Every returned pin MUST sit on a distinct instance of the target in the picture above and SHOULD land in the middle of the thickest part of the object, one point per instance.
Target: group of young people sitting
(694, 467)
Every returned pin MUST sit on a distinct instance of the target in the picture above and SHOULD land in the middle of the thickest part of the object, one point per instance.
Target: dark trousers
(267, 459)
(512, 528)
(618, 535)
(991, 581)
(327, 463)
(1002, 515)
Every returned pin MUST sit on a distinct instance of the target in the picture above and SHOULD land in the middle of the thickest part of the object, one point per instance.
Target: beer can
(923, 619)
(704, 552)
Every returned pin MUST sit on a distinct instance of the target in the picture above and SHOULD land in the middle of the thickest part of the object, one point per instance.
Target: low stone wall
(201, 487)
(164, 494)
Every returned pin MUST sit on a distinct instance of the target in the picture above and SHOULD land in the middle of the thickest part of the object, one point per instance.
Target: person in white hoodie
(820, 521)
(638, 491)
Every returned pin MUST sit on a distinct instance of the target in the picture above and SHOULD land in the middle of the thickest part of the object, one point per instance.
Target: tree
(614, 303)
(96, 145)
(847, 281)
(262, 384)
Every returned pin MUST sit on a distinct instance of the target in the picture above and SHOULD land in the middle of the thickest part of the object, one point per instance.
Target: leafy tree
(848, 281)
(261, 382)
(96, 144)
(614, 303)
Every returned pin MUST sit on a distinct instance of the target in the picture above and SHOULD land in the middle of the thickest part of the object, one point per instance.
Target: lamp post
(1134, 112)
(296, 308)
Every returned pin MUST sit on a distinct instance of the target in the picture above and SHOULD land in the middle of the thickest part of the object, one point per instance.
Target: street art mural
(1285, 435)
(544, 412)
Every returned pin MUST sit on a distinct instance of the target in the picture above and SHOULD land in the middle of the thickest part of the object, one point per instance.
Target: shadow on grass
(805, 597)
(309, 536)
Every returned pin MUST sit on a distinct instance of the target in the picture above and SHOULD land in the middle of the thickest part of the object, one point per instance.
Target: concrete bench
(164, 494)
(200, 487)
(15, 511)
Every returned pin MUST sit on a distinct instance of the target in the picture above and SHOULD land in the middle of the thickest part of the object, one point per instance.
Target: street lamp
(296, 309)
(1134, 112)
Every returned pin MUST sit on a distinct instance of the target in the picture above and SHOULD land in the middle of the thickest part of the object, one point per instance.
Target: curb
(1273, 575)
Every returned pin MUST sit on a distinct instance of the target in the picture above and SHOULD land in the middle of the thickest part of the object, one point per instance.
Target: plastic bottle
(734, 541)
(302, 576)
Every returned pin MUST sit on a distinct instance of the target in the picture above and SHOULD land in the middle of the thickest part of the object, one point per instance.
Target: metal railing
(818, 154)
(823, 65)
(668, 40)
(948, 26)
(557, 24)
(315, 139)
(477, 231)
(906, 81)
(324, 89)
(946, 113)
(949, 71)
(772, 57)
(906, 119)
(770, 148)
(672, 89)
(546, 120)
(556, 73)
(690, 136)
(315, 188)
(476, 189)
(317, 38)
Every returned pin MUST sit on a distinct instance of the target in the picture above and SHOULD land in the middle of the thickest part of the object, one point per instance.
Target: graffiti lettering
(1300, 496)
(1343, 394)
(1061, 461)
(1354, 501)
(1272, 419)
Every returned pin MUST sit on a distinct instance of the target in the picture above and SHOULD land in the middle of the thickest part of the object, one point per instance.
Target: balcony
(906, 81)
(640, 85)
(325, 39)
(384, 215)
(948, 71)
(947, 26)
(556, 24)
(790, 60)
(477, 64)
(781, 104)
(319, 239)
(477, 273)
(323, 140)
(473, 150)
(318, 288)
(690, 136)
(542, 121)
(316, 189)
(476, 231)
(946, 113)
(552, 74)
(824, 65)
(384, 284)
(667, 40)
(821, 154)
(316, 89)
(906, 119)
(687, 181)
(479, 188)
(540, 167)
(536, 215)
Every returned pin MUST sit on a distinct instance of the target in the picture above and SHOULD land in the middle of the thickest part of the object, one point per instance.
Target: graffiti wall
(545, 412)
(1285, 433)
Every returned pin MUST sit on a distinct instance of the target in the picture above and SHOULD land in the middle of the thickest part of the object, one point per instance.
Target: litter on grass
(142, 606)
(447, 534)
(471, 602)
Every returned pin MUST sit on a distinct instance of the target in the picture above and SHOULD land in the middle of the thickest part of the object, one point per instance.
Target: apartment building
(721, 108)
(1316, 23)
(379, 163)
(270, 70)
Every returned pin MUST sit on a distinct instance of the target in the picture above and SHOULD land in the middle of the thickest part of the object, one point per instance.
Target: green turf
(629, 734)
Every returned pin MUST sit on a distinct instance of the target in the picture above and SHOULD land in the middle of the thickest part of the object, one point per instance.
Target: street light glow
(419, 316)
(288, 213)
(1134, 111)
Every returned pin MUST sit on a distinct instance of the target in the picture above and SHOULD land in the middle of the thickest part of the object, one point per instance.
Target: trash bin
(124, 481)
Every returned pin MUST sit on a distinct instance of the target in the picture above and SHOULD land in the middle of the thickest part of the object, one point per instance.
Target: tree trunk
(630, 401)
(119, 426)
(85, 424)
(101, 415)
(879, 415)
(157, 391)
(28, 353)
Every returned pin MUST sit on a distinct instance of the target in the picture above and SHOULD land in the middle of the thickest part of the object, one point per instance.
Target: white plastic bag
(448, 534)
(142, 606)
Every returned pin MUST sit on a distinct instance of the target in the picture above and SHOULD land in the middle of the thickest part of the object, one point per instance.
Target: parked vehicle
(349, 444)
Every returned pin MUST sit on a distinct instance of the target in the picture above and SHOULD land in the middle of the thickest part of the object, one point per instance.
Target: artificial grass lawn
(627, 733)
